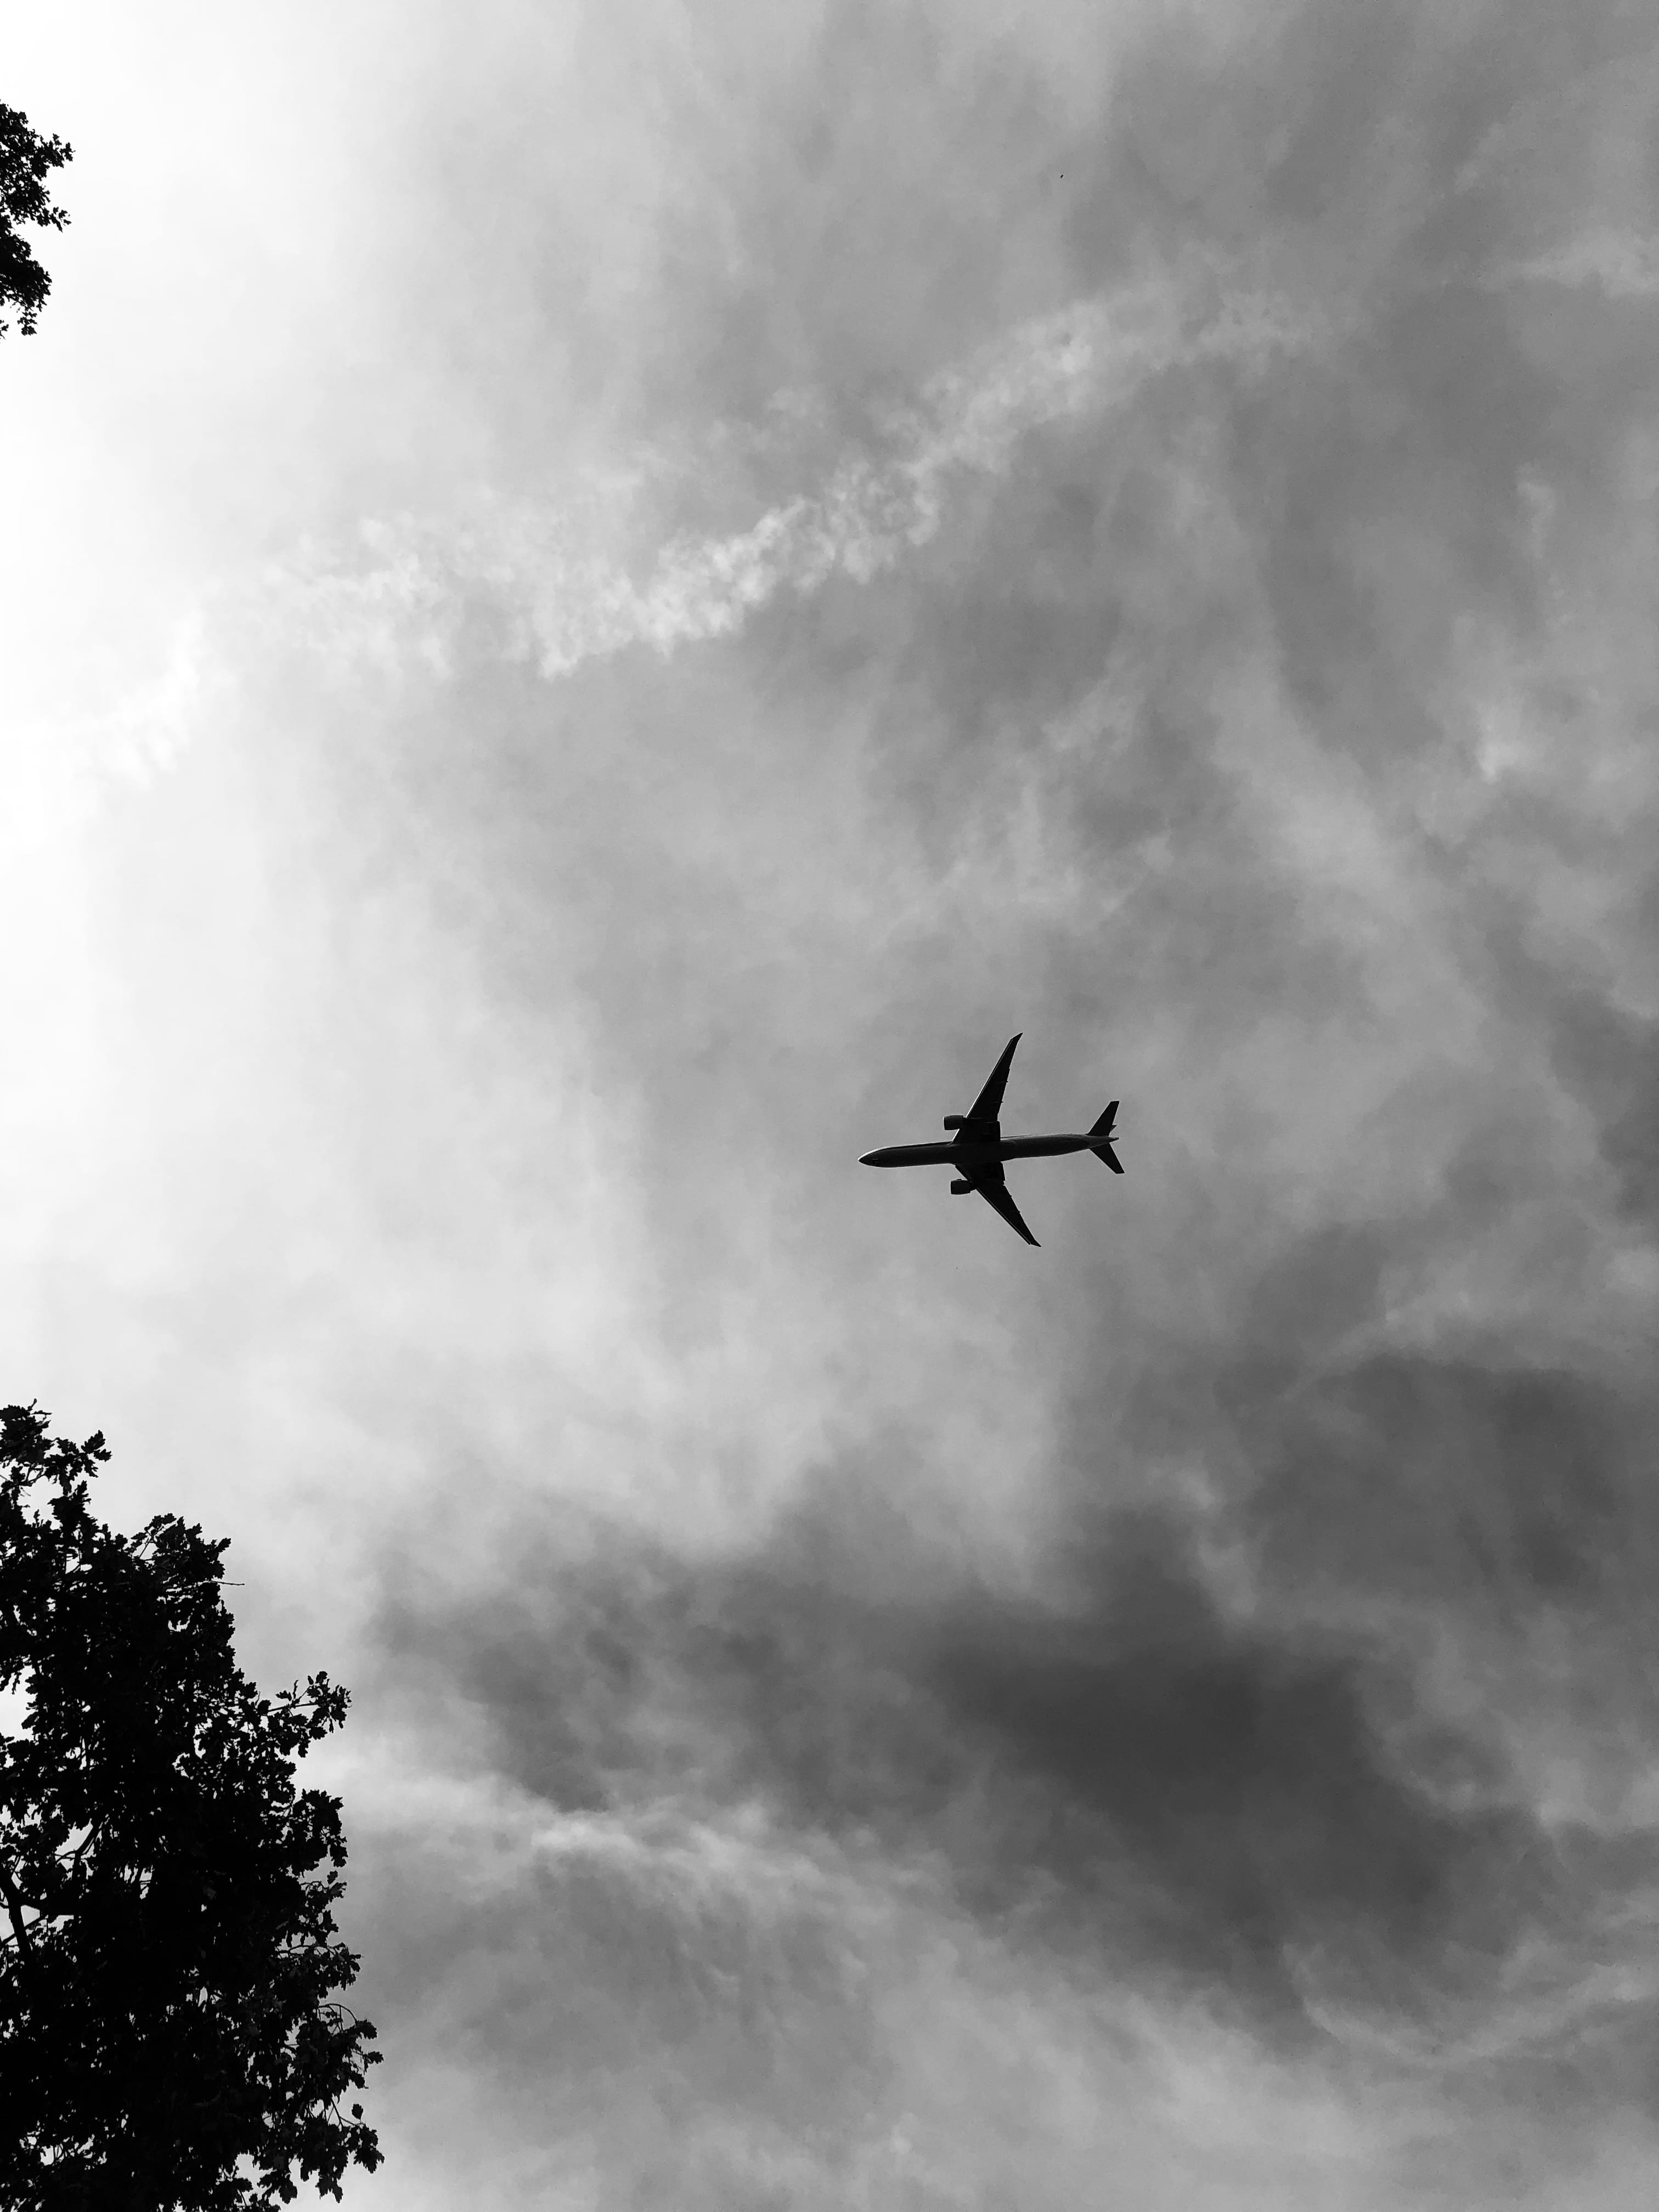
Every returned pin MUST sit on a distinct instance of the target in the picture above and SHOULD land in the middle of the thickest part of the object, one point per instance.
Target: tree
(168, 2035)
(25, 158)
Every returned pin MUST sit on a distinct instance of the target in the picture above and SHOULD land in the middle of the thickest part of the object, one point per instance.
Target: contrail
(566, 602)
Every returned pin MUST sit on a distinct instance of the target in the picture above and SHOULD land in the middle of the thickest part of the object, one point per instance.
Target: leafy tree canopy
(25, 158)
(168, 2033)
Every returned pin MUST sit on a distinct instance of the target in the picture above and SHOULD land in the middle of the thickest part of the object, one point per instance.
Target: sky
(599, 604)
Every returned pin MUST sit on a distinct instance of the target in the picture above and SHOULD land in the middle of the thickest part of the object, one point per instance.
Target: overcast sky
(598, 605)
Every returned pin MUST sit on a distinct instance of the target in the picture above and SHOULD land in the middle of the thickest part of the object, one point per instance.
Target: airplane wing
(987, 1106)
(993, 1187)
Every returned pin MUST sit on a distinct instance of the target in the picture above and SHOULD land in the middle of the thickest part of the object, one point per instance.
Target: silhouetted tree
(168, 2034)
(25, 158)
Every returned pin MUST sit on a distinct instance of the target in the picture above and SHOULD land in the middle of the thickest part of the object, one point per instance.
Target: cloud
(1622, 266)
(846, 536)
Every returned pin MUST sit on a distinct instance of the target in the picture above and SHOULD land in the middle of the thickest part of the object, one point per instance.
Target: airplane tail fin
(1102, 1132)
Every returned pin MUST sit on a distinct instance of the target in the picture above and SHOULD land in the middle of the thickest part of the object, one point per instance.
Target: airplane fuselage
(968, 1153)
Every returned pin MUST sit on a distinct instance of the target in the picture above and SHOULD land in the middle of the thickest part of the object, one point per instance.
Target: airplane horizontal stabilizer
(1103, 1130)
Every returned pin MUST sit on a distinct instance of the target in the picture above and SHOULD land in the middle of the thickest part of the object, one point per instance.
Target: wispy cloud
(1624, 264)
(568, 605)
(401, 598)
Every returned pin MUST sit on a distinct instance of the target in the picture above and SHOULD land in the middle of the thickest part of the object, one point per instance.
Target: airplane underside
(978, 1148)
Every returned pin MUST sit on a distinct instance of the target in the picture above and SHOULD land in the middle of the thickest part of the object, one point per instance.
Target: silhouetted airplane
(979, 1147)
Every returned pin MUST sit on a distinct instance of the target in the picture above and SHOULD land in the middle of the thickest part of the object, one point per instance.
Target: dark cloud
(1238, 1773)
(1609, 1058)
(1121, 1767)
(1470, 1486)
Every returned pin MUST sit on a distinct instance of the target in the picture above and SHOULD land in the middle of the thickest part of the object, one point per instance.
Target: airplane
(979, 1147)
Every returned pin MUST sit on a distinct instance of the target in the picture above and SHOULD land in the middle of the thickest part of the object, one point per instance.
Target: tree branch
(19, 1926)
